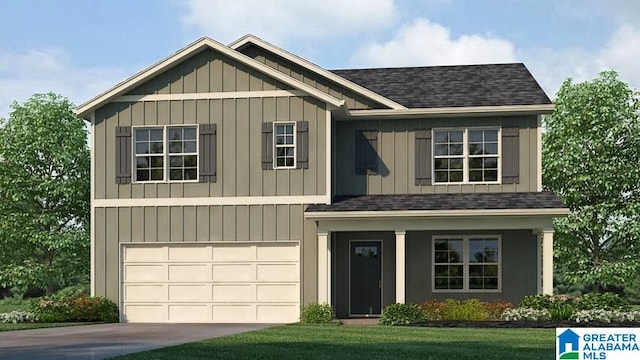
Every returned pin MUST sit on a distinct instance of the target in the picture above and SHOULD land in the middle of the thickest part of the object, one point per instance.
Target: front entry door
(366, 278)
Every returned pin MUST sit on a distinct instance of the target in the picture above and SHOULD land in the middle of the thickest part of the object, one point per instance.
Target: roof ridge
(430, 66)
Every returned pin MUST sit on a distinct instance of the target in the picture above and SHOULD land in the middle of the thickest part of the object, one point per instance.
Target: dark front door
(366, 278)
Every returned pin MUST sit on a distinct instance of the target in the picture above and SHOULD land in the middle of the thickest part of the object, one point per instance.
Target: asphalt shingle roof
(452, 86)
(473, 201)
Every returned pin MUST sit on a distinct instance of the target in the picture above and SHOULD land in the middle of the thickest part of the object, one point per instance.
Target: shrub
(16, 317)
(605, 315)
(538, 301)
(74, 290)
(600, 301)
(497, 308)
(470, 309)
(526, 314)
(76, 308)
(561, 310)
(401, 314)
(433, 309)
(315, 313)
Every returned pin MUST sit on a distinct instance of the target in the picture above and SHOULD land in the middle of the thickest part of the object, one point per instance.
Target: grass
(376, 342)
(26, 326)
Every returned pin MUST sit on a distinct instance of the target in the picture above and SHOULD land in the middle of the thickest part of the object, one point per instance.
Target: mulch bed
(523, 324)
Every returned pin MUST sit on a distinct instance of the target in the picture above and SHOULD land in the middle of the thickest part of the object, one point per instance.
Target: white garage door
(222, 283)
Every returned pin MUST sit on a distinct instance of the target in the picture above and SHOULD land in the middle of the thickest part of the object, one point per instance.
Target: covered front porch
(369, 259)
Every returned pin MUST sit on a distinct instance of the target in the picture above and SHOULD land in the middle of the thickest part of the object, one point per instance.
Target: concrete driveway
(108, 340)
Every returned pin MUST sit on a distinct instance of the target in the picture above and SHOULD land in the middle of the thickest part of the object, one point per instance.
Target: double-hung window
(466, 263)
(168, 153)
(285, 145)
(466, 155)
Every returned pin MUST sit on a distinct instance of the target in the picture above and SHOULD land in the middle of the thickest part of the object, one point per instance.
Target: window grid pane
(483, 155)
(448, 156)
(180, 160)
(284, 145)
(149, 155)
(183, 159)
(448, 264)
(469, 263)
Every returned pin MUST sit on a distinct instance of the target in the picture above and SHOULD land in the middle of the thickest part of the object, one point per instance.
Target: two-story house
(237, 183)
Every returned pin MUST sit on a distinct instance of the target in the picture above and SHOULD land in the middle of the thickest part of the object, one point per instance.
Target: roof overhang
(434, 214)
(252, 39)
(471, 111)
(87, 108)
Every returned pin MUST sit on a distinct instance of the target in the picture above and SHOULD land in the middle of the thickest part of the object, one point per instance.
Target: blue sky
(80, 48)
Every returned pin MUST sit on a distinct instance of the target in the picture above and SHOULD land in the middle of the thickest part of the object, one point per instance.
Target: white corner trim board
(204, 201)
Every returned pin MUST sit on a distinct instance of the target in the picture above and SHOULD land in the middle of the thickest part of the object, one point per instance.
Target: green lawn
(26, 326)
(374, 342)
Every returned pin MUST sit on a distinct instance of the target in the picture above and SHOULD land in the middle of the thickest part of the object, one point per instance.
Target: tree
(44, 195)
(591, 158)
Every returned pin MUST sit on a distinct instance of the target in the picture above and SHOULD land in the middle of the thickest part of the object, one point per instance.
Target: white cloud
(282, 21)
(425, 43)
(50, 69)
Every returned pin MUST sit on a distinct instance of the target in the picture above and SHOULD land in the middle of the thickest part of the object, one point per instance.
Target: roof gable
(193, 49)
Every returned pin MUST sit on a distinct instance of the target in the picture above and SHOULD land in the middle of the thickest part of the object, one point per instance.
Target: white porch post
(323, 268)
(547, 262)
(400, 267)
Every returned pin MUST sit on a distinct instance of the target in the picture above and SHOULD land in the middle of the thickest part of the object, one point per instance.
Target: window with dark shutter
(208, 152)
(123, 154)
(302, 144)
(366, 152)
(423, 157)
(510, 155)
(267, 146)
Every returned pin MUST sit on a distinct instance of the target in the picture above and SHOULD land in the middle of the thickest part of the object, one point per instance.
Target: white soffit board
(211, 283)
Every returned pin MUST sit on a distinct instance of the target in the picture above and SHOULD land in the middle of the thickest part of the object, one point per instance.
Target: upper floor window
(166, 153)
(465, 155)
(285, 145)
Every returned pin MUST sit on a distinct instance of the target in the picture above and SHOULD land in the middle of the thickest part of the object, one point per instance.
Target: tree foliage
(44, 195)
(591, 158)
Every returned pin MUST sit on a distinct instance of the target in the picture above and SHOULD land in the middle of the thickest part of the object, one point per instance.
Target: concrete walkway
(108, 340)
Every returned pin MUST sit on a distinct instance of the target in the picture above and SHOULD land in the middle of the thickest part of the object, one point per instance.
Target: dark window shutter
(302, 144)
(423, 157)
(267, 146)
(208, 153)
(123, 154)
(366, 152)
(510, 155)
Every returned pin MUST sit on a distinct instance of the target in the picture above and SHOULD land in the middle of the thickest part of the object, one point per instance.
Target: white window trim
(275, 145)
(465, 264)
(165, 154)
(465, 155)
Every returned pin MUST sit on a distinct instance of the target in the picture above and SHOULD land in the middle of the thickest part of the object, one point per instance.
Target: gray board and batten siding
(396, 156)
(239, 162)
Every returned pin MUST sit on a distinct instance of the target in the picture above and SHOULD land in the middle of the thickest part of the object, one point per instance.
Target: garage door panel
(190, 253)
(234, 253)
(277, 293)
(146, 254)
(190, 313)
(277, 313)
(212, 282)
(145, 273)
(145, 313)
(234, 293)
(190, 293)
(234, 272)
(190, 273)
(277, 272)
(234, 313)
(145, 293)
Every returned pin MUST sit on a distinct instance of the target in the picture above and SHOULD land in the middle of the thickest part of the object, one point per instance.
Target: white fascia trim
(203, 43)
(434, 213)
(211, 201)
(328, 156)
(451, 111)
(211, 95)
(316, 69)
(92, 221)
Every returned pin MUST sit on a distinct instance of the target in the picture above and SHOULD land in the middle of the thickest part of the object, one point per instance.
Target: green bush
(401, 314)
(74, 290)
(470, 310)
(538, 301)
(75, 308)
(600, 301)
(315, 313)
(561, 310)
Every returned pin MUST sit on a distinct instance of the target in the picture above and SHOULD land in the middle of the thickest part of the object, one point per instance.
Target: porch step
(360, 321)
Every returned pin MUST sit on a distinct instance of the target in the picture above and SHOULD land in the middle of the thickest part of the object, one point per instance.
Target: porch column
(324, 268)
(547, 262)
(400, 267)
